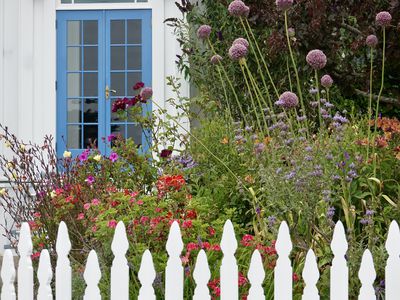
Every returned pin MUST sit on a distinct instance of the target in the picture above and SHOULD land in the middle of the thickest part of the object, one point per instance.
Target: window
(100, 1)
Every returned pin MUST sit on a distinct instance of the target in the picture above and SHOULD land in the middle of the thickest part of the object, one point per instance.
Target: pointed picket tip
(174, 243)
(339, 243)
(25, 242)
(44, 269)
(367, 272)
(120, 243)
(228, 242)
(283, 243)
(63, 244)
(256, 271)
(92, 271)
(201, 271)
(146, 271)
(310, 271)
(8, 267)
(393, 239)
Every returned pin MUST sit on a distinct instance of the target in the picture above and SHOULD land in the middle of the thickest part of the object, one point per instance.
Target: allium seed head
(204, 32)
(383, 19)
(216, 59)
(288, 100)
(371, 41)
(316, 59)
(238, 51)
(237, 8)
(326, 81)
(242, 41)
(284, 4)
(146, 93)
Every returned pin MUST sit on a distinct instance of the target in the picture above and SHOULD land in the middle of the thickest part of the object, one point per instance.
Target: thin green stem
(225, 94)
(318, 98)
(289, 75)
(370, 100)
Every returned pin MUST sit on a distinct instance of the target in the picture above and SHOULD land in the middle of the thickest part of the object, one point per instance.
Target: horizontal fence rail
(174, 273)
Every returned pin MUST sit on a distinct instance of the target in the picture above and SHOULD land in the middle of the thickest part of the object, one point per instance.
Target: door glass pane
(74, 32)
(134, 58)
(90, 111)
(117, 58)
(90, 61)
(118, 130)
(118, 83)
(74, 58)
(117, 31)
(74, 136)
(106, 1)
(90, 32)
(74, 111)
(90, 84)
(133, 78)
(90, 135)
(74, 85)
(135, 132)
(134, 31)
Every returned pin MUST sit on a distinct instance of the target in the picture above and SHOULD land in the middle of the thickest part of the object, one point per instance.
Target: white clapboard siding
(392, 272)
(120, 268)
(201, 275)
(174, 269)
(229, 268)
(25, 270)
(283, 279)
(63, 267)
(8, 276)
(174, 272)
(339, 270)
(45, 274)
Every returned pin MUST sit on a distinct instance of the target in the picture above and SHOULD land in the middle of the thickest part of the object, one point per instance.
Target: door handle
(108, 91)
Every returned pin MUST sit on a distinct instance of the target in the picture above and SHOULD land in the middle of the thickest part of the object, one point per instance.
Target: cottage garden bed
(267, 150)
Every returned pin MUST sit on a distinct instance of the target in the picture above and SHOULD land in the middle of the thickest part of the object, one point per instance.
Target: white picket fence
(174, 272)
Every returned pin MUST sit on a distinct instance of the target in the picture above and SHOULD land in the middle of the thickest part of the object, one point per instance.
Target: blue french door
(101, 55)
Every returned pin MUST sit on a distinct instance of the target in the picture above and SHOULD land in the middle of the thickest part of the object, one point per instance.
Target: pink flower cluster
(237, 8)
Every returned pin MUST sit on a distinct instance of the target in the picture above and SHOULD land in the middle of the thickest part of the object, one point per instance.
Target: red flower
(138, 85)
(211, 231)
(242, 279)
(206, 245)
(35, 255)
(295, 277)
(165, 153)
(216, 247)
(187, 224)
(191, 214)
(112, 224)
(191, 246)
(247, 240)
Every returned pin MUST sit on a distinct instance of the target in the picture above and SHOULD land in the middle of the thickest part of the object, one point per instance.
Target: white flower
(67, 154)
(53, 194)
(97, 157)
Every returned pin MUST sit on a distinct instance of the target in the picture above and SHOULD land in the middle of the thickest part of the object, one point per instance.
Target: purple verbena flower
(330, 212)
(326, 81)
(369, 212)
(237, 52)
(271, 221)
(204, 32)
(383, 19)
(371, 41)
(316, 59)
(301, 118)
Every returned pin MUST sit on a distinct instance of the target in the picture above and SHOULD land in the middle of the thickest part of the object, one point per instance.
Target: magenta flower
(216, 59)
(284, 4)
(113, 157)
(383, 19)
(204, 32)
(288, 100)
(95, 201)
(326, 81)
(90, 180)
(146, 93)
(371, 41)
(316, 59)
(111, 137)
(84, 156)
(241, 41)
(112, 224)
(237, 8)
(237, 52)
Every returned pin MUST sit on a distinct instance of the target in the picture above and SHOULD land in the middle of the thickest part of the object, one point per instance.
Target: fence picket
(256, 277)
(201, 275)
(392, 271)
(367, 276)
(174, 269)
(63, 267)
(229, 268)
(311, 276)
(8, 276)
(283, 276)
(45, 274)
(147, 274)
(339, 287)
(25, 270)
(120, 269)
(92, 277)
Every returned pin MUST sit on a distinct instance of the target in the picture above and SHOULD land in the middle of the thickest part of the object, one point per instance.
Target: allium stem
(294, 66)
(225, 93)
(370, 99)
(289, 75)
(379, 98)
(318, 98)
(251, 40)
(251, 96)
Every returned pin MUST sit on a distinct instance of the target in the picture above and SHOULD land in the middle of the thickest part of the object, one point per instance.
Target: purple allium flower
(113, 157)
(326, 81)
(316, 59)
(204, 32)
(237, 52)
(216, 59)
(237, 8)
(288, 100)
(90, 180)
(284, 4)
(371, 41)
(146, 93)
(241, 41)
(383, 19)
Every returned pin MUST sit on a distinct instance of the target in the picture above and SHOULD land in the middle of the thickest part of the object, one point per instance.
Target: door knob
(108, 92)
